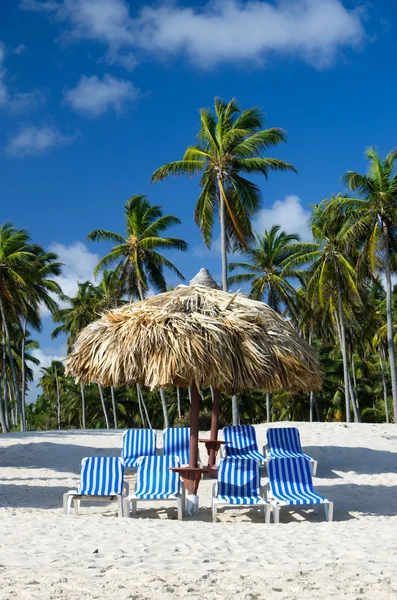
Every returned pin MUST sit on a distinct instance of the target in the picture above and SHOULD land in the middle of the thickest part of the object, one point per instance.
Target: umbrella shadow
(364, 461)
(63, 458)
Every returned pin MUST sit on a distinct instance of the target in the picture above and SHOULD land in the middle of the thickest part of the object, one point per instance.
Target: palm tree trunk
(311, 407)
(23, 369)
(356, 412)
(223, 235)
(140, 289)
(82, 404)
(267, 407)
(103, 405)
(144, 406)
(140, 406)
(344, 351)
(235, 406)
(389, 315)
(2, 417)
(114, 406)
(58, 400)
(354, 393)
(5, 384)
(165, 412)
(178, 396)
(384, 383)
(12, 365)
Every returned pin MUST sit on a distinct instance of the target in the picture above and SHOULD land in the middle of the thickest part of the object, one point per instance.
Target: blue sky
(96, 94)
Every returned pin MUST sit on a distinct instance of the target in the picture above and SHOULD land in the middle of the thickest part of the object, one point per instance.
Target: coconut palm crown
(230, 146)
(136, 254)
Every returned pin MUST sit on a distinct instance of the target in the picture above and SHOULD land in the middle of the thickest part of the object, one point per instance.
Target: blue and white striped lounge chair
(242, 442)
(101, 478)
(137, 443)
(290, 483)
(284, 442)
(238, 485)
(155, 481)
(176, 442)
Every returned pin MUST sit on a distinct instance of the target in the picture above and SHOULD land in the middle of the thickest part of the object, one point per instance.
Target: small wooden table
(212, 445)
(191, 477)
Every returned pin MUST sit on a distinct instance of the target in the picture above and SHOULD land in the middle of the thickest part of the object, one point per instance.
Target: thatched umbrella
(195, 336)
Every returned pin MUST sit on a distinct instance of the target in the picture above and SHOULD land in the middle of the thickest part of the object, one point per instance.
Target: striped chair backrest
(139, 442)
(280, 439)
(176, 442)
(239, 477)
(101, 476)
(153, 476)
(241, 438)
(290, 476)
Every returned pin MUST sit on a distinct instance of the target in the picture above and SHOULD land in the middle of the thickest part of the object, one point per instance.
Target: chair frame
(275, 506)
(130, 503)
(75, 497)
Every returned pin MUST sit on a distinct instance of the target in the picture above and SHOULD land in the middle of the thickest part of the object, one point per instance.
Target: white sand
(46, 555)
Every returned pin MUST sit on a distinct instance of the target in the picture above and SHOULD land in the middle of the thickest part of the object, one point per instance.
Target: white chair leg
(126, 511)
(268, 512)
(119, 506)
(76, 506)
(133, 507)
(69, 505)
(214, 512)
(65, 503)
(314, 467)
(180, 509)
(276, 514)
(329, 511)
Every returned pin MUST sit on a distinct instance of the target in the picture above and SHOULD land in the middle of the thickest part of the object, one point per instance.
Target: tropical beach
(198, 300)
(44, 554)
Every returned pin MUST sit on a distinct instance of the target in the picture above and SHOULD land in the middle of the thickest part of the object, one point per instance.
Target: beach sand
(46, 555)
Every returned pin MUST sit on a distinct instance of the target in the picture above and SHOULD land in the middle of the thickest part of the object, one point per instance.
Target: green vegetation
(336, 290)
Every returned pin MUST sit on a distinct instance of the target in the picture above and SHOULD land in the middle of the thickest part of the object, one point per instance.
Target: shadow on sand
(363, 461)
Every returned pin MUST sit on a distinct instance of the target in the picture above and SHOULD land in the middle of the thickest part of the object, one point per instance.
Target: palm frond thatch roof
(195, 334)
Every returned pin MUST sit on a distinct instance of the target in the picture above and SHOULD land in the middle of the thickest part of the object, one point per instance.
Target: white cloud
(289, 214)
(93, 96)
(20, 49)
(45, 356)
(311, 30)
(78, 265)
(30, 140)
(16, 102)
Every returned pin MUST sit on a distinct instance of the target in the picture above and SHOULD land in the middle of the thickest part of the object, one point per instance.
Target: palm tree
(84, 308)
(230, 142)
(331, 278)
(18, 264)
(136, 255)
(51, 381)
(372, 227)
(268, 271)
(41, 293)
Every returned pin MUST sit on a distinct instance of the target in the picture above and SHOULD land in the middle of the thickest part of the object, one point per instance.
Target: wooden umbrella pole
(216, 405)
(194, 426)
